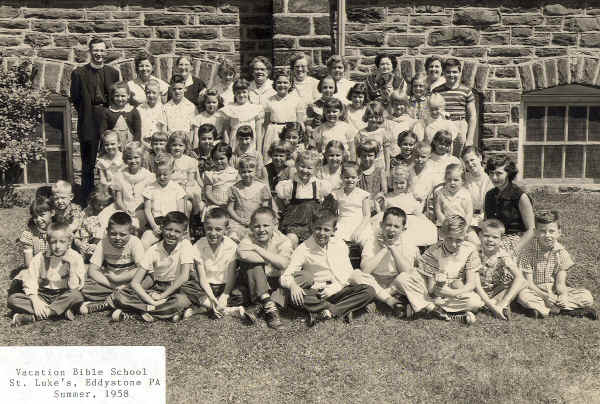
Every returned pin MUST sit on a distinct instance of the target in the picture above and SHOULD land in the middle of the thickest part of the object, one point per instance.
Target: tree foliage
(21, 114)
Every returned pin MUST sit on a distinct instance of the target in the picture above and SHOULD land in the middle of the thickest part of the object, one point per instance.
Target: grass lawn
(375, 359)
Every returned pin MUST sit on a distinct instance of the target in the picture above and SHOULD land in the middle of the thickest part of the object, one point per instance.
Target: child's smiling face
(211, 104)
(221, 161)
(418, 88)
(111, 145)
(177, 148)
(62, 201)
(152, 94)
(59, 242)
(334, 157)
(452, 74)
(205, 141)
(358, 100)
(247, 174)
(42, 221)
(453, 181)
(158, 145)
(407, 146)
(454, 239)
(178, 91)
(241, 96)
(337, 71)
(292, 137)
(421, 156)
(305, 170)
(547, 234)
(398, 109)
(262, 227)
(322, 232)
(350, 178)
(245, 142)
(332, 114)
(173, 233)
(282, 85)
(435, 111)
(391, 228)
(441, 148)
(215, 229)
(119, 234)
(473, 162)
(491, 239)
(279, 159)
(399, 184)
(133, 162)
(120, 97)
(327, 88)
(368, 159)
(163, 175)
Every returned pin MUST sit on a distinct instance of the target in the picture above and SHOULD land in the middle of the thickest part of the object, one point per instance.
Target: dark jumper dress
(296, 217)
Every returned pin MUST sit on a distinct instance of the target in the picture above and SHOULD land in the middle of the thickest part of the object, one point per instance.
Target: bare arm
(472, 122)
(560, 282)
(95, 274)
(27, 256)
(149, 216)
(526, 210)
(369, 264)
(439, 214)
(233, 214)
(182, 276)
(136, 284)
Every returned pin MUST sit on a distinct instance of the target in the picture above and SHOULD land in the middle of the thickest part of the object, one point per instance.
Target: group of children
(245, 208)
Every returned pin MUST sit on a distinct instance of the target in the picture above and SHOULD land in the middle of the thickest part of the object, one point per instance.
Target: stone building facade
(534, 64)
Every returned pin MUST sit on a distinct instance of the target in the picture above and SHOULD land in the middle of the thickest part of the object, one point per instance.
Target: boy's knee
(181, 301)
(474, 303)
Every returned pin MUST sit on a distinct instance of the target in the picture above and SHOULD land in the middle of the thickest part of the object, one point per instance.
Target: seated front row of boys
(452, 280)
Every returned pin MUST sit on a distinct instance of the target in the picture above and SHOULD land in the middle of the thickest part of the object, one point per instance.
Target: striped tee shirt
(456, 100)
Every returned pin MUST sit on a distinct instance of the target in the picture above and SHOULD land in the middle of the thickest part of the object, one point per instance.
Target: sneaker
(119, 315)
(187, 313)
(176, 318)
(147, 317)
(69, 315)
(590, 313)
(90, 307)
(272, 319)
(587, 312)
(371, 308)
(409, 312)
(399, 310)
(20, 319)
(467, 318)
(314, 318)
(440, 314)
(507, 313)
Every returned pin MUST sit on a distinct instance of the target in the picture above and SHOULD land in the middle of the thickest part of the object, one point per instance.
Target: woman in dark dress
(385, 79)
(194, 87)
(508, 203)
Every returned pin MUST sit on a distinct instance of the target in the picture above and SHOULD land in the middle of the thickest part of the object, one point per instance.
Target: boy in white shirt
(168, 266)
(180, 112)
(319, 272)
(52, 283)
(426, 128)
(214, 280)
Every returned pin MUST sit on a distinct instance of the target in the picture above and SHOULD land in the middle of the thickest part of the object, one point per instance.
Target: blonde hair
(247, 162)
(455, 167)
(153, 83)
(178, 135)
(132, 149)
(454, 223)
(437, 100)
(62, 187)
(308, 156)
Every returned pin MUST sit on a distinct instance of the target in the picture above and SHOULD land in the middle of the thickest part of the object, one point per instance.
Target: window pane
(577, 123)
(594, 128)
(535, 124)
(556, 124)
(553, 156)
(592, 164)
(57, 165)
(573, 161)
(54, 128)
(36, 172)
(532, 162)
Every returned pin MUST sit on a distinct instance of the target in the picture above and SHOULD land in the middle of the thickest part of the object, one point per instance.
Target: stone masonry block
(8, 12)
(527, 80)
(508, 96)
(365, 15)
(523, 19)
(129, 43)
(364, 39)
(216, 19)
(65, 81)
(153, 19)
(292, 25)
(404, 41)
(476, 17)
(497, 38)
(140, 32)
(551, 75)
(308, 6)
(53, 14)
(564, 71)
(52, 76)
(453, 37)
(56, 53)
(590, 40)
(468, 73)
(538, 75)
(48, 26)
(564, 39)
(504, 84)
(582, 24)
(559, 9)
(430, 20)
(37, 40)
(589, 71)
(198, 33)
(496, 108)
(322, 25)
(481, 77)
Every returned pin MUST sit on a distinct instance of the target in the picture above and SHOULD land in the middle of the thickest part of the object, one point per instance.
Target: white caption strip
(83, 374)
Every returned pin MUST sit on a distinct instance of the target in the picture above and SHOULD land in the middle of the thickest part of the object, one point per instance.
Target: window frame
(567, 96)
(63, 105)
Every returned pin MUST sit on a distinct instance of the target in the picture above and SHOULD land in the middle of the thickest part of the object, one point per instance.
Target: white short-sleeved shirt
(387, 265)
(344, 86)
(342, 132)
(180, 116)
(216, 263)
(154, 119)
(164, 199)
(422, 184)
(285, 109)
(138, 89)
(55, 273)
(307, 89)
(164, 266)
(261, 95)
(426, 129)
(131, 254)
(279, 244)
(303, 191)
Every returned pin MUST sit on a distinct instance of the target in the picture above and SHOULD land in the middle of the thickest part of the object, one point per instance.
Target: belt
(457, 117)
(119, 266)
(279, 123)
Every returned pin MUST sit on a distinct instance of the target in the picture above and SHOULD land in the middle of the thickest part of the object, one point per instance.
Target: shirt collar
(556, 248)
(189, 81)
(161, 248)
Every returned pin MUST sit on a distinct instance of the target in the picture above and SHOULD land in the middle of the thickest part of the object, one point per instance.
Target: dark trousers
(129, 300)
(89, 151)
(59, 300)
(197, 296)
(254, 278)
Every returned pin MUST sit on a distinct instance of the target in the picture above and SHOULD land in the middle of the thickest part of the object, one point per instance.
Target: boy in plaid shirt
(545, 263)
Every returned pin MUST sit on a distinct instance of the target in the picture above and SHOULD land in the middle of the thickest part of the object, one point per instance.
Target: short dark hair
(348, 165)
(501, 160)
(290, 127)
(177, 79)
(140, 58)
(208, 128)
(240, 85)
(175, 217)
(333, 103)
(320, 85)
(262, 60)
(321, 216)
(59, 226)
(96, 40)
(429, 61)
(492, 224)
(263, 210)
(117, 86)
(404, 134)
(358, 88)
(470, 149)
(39, 206)
(280, 146)
(441, 137)
(244, 131)
(120, 219)
(211, 92)
(394, 211)
(381, 56)
(43, 192)
(546, 216)
(217, 213)
(221, 147)
(280, 73)
(452, 62)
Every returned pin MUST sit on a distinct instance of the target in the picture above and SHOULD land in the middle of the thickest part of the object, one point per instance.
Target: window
(561, 134)
(56, 132)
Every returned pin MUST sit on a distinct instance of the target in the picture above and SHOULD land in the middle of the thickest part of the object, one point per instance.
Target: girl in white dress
(280, 109)
(242, 112)
(331, 168)
(354, 207)
(185, 170)
(212, 102)
(302, 84)
(226, 76)
(418, 228)
(355, 111)
(335, 129)
(375, 130)
(111, 161)
(152, 113)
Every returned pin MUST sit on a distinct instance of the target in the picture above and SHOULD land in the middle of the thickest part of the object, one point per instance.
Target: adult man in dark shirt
(90, 88)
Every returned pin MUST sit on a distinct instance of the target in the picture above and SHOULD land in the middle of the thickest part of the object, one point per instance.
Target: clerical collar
(95, 66)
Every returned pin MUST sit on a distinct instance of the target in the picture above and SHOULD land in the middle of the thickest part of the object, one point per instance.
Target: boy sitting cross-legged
(112, 265)
(212, 284)
(545, 263)
(52, 282)
(498, 281)
(319, 273)
(168, 266)
(262, 255)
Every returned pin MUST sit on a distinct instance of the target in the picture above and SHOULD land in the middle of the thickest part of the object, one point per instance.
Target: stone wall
(61, 29)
